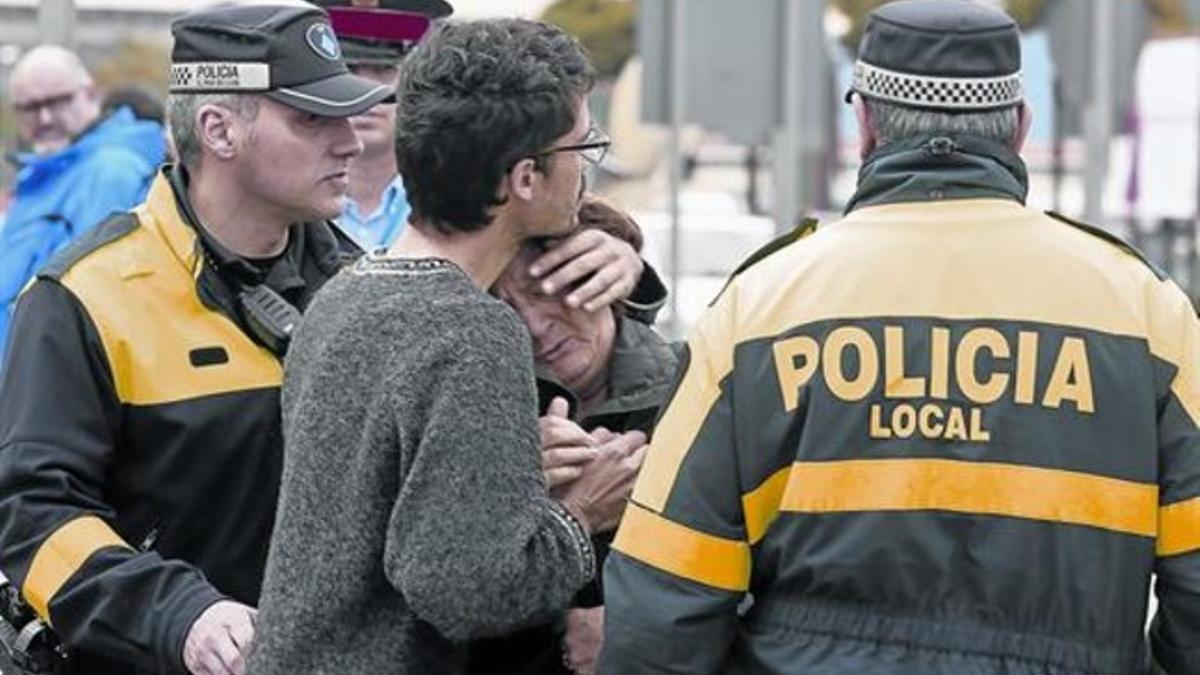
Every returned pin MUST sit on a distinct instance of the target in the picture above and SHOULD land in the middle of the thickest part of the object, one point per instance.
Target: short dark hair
(474, 98)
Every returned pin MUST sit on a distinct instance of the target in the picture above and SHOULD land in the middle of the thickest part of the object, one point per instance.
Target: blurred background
(728, 124)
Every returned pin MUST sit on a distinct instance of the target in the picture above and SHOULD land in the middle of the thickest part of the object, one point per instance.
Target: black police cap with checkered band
(940, 55)
(287, 52)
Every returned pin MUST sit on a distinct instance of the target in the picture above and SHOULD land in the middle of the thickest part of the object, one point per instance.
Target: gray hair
(181, 119)
(893, 122)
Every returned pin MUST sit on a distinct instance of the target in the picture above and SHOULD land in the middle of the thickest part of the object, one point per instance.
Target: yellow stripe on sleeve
(761, 505)
(1179, 527)
(61, 556)
(683, 552)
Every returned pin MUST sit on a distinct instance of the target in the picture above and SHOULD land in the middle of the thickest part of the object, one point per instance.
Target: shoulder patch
(802, 230)
(109, 230)
(1112, 239)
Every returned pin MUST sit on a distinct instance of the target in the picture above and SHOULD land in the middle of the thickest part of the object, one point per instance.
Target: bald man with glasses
(76, 167)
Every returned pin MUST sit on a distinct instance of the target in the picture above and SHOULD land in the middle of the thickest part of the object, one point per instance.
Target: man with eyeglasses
(375, 36)
(413, 516)
(77, 167)
(593, 148)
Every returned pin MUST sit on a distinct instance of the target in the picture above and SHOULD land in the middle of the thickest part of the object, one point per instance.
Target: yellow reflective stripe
(761, 505)
(682, 551)
(1175, 338)
(673, 438)
(1179, 527)
(973, 487)
(710, 350)
(61, 555)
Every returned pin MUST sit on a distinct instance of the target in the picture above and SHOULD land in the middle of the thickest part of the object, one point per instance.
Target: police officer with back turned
(946, 434)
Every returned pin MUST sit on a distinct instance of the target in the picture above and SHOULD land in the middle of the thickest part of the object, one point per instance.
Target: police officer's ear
(520, 180)
(217, 130)
(867, 139)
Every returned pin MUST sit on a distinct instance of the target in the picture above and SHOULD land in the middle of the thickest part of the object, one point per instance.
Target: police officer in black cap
(140, 444)
(946, 434)
(375, 35)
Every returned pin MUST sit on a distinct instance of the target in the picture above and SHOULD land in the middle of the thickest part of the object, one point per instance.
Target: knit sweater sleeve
(474, 542)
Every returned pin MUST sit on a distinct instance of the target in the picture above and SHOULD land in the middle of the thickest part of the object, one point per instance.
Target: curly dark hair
(474, 98)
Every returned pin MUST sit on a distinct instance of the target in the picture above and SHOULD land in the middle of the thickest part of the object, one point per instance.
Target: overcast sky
(463, 8)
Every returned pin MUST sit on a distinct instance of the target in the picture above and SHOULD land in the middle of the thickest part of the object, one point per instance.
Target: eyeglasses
(51, 103)
(593, 148)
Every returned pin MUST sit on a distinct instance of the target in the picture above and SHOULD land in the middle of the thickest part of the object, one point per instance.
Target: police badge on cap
(321, 38)
(286, 52)
(953, 55)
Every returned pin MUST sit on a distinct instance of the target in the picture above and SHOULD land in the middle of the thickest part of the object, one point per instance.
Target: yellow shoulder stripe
(710, 349)
(144, 304)
(1175, 337)
(61, 556)
(683, 552)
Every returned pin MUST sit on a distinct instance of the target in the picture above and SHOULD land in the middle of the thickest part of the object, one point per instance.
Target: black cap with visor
(287, 52)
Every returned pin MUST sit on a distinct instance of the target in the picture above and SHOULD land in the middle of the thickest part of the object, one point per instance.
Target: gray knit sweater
(412, 515)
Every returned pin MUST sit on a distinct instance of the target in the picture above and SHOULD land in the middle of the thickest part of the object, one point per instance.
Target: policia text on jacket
(983, 364)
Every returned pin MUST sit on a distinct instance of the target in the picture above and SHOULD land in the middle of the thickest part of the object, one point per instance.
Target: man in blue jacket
(79, 167)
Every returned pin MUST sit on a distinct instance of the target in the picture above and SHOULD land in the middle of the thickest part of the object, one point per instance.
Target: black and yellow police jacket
(140, 444)
(946, 434)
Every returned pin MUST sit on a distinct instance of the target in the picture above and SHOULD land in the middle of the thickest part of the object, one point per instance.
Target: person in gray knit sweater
(413, 516)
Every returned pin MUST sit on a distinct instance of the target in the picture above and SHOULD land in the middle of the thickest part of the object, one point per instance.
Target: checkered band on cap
(923, 91)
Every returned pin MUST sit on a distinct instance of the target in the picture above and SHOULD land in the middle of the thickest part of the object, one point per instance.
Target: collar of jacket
(940, 167)
(322, 247)
(641, 370)
(318, 241)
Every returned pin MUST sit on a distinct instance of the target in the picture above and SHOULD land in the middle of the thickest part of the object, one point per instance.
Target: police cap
(287, 52)
(954, 55)
(380, 32)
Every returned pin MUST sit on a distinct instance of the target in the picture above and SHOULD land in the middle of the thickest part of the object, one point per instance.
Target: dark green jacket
(945, 435)
(640, 375)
